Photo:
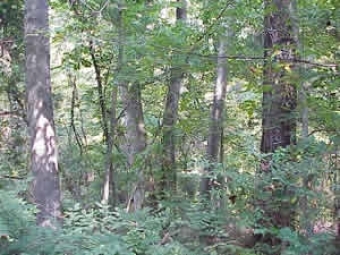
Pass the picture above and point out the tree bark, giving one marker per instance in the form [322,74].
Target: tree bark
[109,190]
[304,111]
[136,140]
[109,194]
[279,96]
[306,221]
[43,140]
[279,105]
[134,122]
[216,119]
[169,176]
[12,67]
[100,90]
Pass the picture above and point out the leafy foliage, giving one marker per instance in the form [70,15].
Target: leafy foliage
[302,180]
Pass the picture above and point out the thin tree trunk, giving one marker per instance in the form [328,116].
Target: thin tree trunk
[107,131]
[169,176]
[304,111]
[336,191]
[11,57]
[216,119]
[74,101]
[335,106]
[109,186]
[100,91]
[109,194]
[306,220]
[43,140]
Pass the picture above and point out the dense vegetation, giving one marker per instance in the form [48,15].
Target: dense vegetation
[172,127]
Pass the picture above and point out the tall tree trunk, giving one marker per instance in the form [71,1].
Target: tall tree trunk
[109,194]
[279,101]
[169,176]
[304,111]
[109,190]
[134,122]
[13,66]
[307,220]
[43,140]
[216,119]
[107,131]
[100,89]
[336,191]
[136,140]
[279,96]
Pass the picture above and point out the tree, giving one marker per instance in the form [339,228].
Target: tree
[168,179]
[279,99]
[109,128]
[131,95]
[216,118]
[126,64]
[136,140]
[279,93]
[43,138]
[12,66]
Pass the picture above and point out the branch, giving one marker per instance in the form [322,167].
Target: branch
[322,65]
[11,177]
[321,130]
[5,113]
[14,113]
[120,115]
[246,58]
[207,31]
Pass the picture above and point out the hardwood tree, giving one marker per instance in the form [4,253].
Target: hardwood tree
[279,99]
[216,119]
[170,115]
[43,138]
[131,96]
[108,121]
[279,96]
[11,68]
[119,55]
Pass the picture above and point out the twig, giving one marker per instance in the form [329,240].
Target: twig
[11,177]
[72,83]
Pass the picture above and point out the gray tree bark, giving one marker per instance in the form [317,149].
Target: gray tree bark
[43,140]
[136,140]
[11,57]
[169,176]
[109,191]
[130,94]
[216,118]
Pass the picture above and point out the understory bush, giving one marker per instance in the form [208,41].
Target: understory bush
[298,180]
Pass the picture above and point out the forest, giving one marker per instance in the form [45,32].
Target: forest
[169,127]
